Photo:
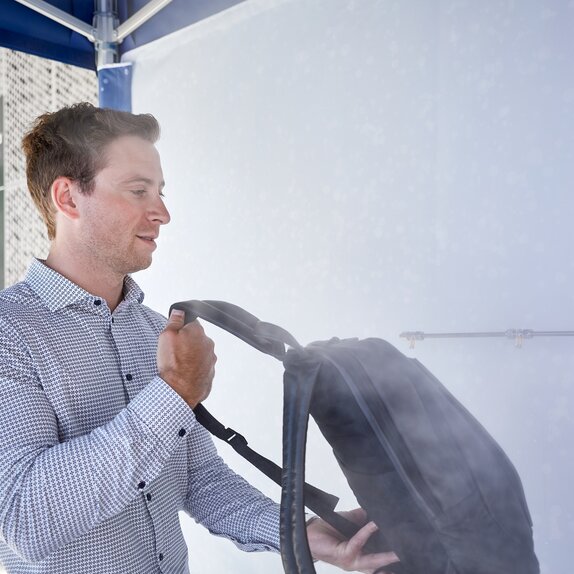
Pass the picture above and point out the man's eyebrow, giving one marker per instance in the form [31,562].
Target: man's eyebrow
[146,180]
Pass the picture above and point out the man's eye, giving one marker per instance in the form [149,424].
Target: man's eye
[138,191]
[161,194]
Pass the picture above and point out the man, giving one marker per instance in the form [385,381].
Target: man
[99,447]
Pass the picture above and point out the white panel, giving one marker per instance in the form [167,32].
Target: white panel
[363,168]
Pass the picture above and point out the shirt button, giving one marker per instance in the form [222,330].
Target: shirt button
[97,302]
[181,432]
[141,485]
[148,496]
[160,556]
[129,377]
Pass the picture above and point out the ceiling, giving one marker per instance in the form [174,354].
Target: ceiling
[25,30]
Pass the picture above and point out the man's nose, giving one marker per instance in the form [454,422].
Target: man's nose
[159,211]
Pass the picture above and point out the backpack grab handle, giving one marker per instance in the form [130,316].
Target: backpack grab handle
[267,338]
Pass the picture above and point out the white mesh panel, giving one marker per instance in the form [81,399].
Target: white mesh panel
[31,86]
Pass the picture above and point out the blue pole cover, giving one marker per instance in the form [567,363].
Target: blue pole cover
[115,86]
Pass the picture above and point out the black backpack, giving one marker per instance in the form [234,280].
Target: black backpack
[445,497]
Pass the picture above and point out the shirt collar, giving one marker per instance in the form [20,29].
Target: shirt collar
[58,292]
[132,291]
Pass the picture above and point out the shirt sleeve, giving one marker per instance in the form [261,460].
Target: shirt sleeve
[225,503]
[52,492]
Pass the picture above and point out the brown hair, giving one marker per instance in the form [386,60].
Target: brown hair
[70,143]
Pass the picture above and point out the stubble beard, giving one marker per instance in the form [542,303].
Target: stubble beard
[110,258]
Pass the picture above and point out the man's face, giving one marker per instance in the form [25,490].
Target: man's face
[120,219]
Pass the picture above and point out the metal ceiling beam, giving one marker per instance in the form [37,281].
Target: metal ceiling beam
[139,18]
[61,17]
[105,32]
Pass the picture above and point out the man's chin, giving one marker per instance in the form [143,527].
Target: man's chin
[139,265]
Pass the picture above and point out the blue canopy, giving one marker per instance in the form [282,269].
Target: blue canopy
[24,29]
[81,33]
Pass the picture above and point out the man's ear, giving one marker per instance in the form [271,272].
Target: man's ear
[63,193]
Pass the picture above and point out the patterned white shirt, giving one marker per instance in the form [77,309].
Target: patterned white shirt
[97,453]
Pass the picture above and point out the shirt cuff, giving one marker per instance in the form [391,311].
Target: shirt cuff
[164,412]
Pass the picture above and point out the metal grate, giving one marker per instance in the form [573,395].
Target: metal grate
[30,86]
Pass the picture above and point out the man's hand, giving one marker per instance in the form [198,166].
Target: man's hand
[327,545]
[185,358]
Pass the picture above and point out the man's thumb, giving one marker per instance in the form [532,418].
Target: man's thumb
[176,319]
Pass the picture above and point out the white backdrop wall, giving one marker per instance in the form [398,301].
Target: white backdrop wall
[361,168]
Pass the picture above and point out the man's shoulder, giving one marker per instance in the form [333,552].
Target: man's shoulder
[152,316]
[19,306]
[19,295]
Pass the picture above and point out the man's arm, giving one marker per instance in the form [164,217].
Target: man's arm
[226,504]
[51,492]
[216,497]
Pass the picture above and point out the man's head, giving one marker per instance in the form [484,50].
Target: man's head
[72,143]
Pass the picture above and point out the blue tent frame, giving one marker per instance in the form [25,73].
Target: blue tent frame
[25,29]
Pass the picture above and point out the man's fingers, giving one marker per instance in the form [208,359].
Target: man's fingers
[176,322]
[368,562]
[186,358]
[356,543]
[374,562]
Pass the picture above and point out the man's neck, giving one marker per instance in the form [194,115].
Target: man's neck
[88,275]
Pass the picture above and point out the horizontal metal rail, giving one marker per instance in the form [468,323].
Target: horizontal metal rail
[517,334]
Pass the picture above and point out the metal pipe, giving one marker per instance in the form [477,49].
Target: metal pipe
[105,23]
[140,17]
[509,334]
[61,17]
[517,334]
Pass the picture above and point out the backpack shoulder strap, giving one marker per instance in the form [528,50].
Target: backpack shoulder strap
[316,499]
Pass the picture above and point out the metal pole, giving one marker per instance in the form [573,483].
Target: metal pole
[517,334]
[105,24]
